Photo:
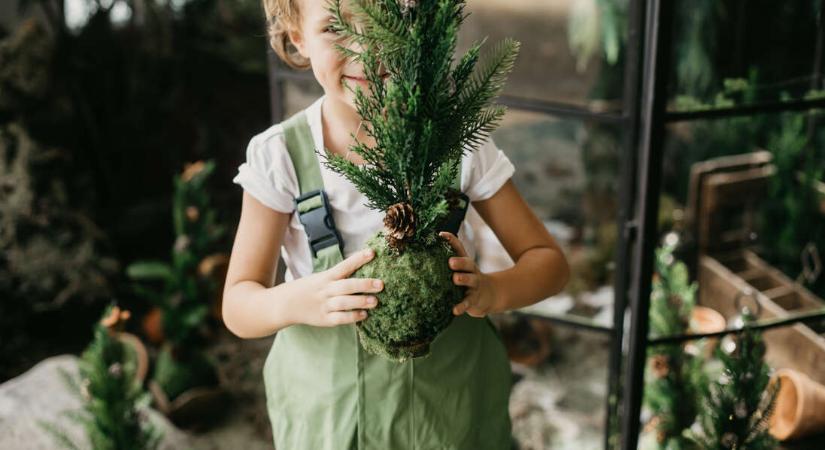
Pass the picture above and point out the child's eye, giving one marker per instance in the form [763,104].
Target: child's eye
[328,29]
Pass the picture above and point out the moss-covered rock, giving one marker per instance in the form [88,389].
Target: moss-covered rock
[416,302]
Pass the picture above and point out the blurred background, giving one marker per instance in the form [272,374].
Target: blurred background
[122,123]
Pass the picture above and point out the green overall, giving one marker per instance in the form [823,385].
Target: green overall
[324,392]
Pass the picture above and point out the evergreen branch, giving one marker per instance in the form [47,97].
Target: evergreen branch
[342,26]
[366,180]
[79,417]
[58,434]
[478,132]
[488,82]
[70,382]
[388,29]
[765,411]
[464,68]
[347,52]
[432,206]
[377,33]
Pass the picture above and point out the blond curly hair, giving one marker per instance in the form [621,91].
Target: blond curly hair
[281,17]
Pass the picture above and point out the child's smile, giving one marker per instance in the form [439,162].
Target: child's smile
[361,80]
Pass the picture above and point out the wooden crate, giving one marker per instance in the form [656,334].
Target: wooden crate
[723,277]
[722,198]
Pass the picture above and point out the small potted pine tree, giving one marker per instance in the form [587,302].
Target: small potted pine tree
[110,384]
[424,115]
[185,382]
[737,407]
[674,374]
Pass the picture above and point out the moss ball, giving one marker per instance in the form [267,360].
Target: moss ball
[417,300]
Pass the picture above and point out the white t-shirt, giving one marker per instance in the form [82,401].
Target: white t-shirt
[268,175]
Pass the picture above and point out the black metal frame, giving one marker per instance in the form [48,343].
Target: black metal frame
[643,116]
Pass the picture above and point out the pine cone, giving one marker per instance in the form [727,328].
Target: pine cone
[399,224]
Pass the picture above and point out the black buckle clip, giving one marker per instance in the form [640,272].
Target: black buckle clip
[318,222]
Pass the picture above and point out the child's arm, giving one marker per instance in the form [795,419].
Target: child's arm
[251,308]
[540,270]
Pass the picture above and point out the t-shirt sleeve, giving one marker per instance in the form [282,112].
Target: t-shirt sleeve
[267,173]
[484,171]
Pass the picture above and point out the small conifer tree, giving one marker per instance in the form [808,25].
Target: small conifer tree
[738,406]
[113,399]
[674,375]
[424,112]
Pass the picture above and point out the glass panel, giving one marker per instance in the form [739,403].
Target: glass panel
[723,53]
[564,47]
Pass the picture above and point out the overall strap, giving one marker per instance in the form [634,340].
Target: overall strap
[455,216]
[312,205]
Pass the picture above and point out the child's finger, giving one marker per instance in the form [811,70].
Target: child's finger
[355,286]
[462,263]
[465,279]
[344,317]
[346,267]
[455,243]
[349,302]
[461,308]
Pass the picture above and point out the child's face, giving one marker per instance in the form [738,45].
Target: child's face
[315,41]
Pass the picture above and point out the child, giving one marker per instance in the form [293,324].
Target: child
[323,390]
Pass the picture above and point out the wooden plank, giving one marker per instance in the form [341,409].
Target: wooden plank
[700,170]
[779,291]
[732,189]
[807,298]
[750,274]
[726,196]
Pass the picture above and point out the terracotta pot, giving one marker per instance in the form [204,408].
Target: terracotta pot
[215,267]
[707,320]
[142,363]
[152,325]
[528,342]
[194,408]
[800,406]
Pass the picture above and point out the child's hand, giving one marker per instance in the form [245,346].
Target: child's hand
[481,293]
[334,301]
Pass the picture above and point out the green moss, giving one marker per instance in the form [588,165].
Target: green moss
[416,302]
